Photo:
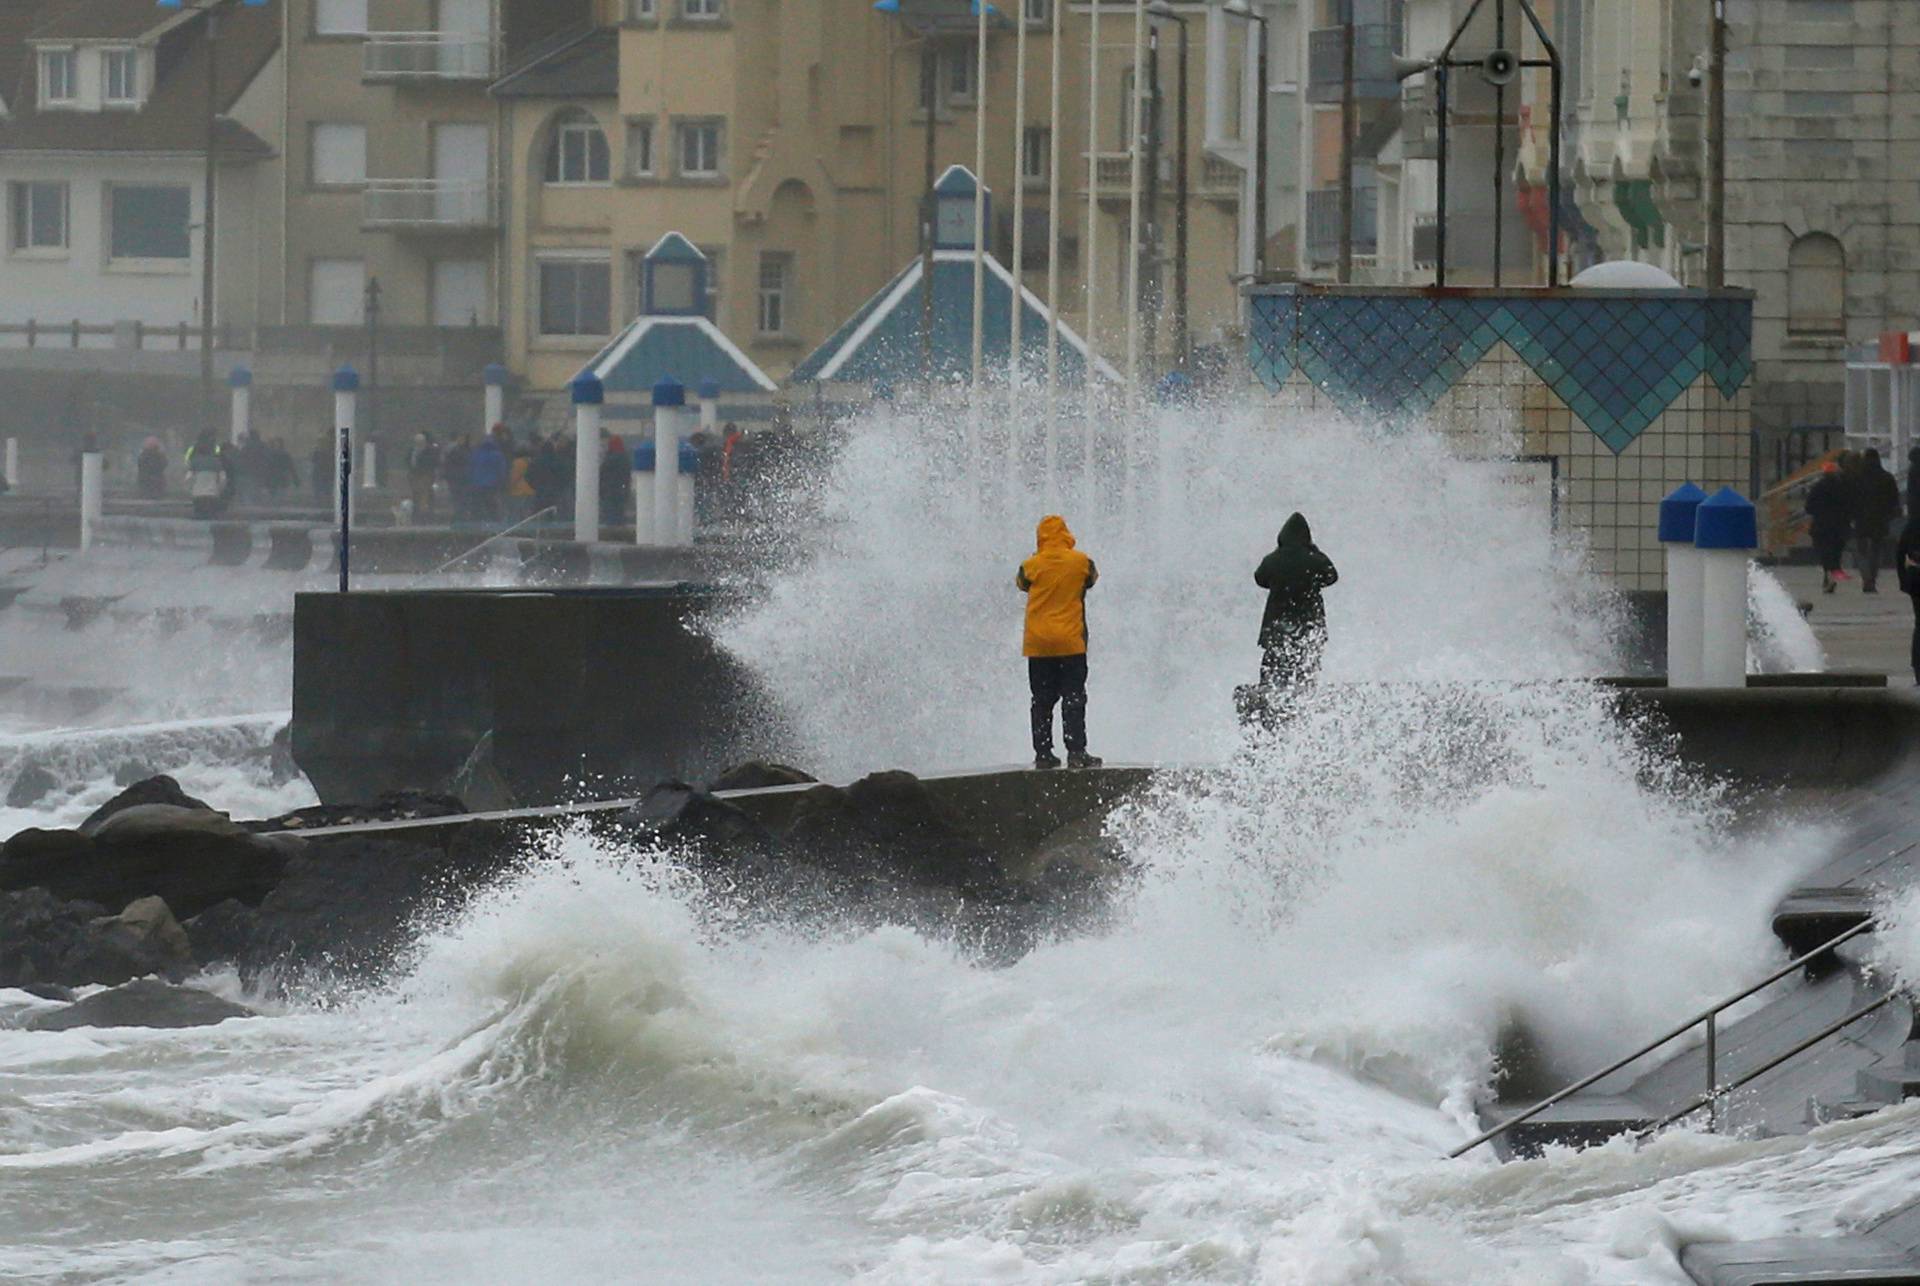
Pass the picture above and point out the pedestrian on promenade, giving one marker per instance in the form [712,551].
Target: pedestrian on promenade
[207,477]
[1293,629]
[1876,507]
[1906,562]
[150,470]
[487,476]
[423,469]
[1056,580]
[1830,506]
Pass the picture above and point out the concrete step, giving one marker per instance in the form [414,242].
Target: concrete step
[1584,1120]
[1800,1261]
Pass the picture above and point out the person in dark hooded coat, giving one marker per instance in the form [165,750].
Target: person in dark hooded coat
[1293,630]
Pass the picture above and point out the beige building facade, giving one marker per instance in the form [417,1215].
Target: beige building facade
[791,143]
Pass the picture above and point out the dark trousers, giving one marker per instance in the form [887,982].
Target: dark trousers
[1062,681]
[1916,636]
[1873,549]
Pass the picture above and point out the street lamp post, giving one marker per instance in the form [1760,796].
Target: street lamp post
[1717,131]
[1181,337]
[212,9]
[1240,9]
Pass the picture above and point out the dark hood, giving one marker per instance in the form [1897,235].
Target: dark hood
[1296,533]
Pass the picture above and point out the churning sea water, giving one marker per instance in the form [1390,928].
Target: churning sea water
[1248,1073]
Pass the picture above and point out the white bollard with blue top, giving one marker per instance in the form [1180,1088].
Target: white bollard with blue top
[672,423]
[589,397]
[240,380]
[709,406]
[1684,605]
[1726,532]
[495,412]
[93,491]
[643,494]
[346,415]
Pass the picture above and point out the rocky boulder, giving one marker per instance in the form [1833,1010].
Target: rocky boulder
[759,775]
[152,790]
[145,1003]
[30,785]
[394,806]
[888,830]
[44,940]
[710,829]
[192,858]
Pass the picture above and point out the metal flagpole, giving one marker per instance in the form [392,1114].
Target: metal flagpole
[981,8]
[1053,264]
[1133,244]
[1090,261]
[1016,268]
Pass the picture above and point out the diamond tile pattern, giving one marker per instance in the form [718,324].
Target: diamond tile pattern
[1618,363]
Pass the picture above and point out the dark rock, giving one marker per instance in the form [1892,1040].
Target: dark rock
[758,775]
[49,991]
[32,785]
[147,929]
[280,766]
[889,829]
[394,806]
[146,1003]
[71,944]
[192,858]
[682,817]
[154,790]
[225,933]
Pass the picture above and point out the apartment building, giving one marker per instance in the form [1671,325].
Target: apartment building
[103,138]
[792,143]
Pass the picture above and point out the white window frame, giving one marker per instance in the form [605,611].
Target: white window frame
[144,263]
[962,58]
[314,177]
[542,260]
[685,132]
[358,315]
[586,129]
[1036,150]
[772,316]
[702,10]
[641,146]
[69,59]
[20,238]
[346,32]
[127,59]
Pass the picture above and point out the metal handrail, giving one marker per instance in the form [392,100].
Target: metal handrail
[1715,1091]
[498,535]
[1713,1096]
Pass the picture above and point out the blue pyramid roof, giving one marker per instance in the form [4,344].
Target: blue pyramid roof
[689,350]
[881,342]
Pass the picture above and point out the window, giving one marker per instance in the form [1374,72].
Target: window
[1037,11]
[122,75]
[37,214]
[700,149]
[575,296]
[1816,286]
[59,76]
[641,11]
[149,221]
[775,270]
[1036,142]
[339,17]
[640,148]
[700,10]
[339,157]
[337,292]
[960,79]
[672,289]
[578,152]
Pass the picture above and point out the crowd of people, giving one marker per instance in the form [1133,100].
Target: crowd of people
[1857,501]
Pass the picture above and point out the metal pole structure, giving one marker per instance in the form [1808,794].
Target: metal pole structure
[930,77]
[1553,177]
[1182,340]
[343,454]
[1717,135]
[1090,261]
[1346,144]
[1133,201]
[372,433]
[1053,262]
[207,221]
[1018,267]
[1499,147]
[1440,223]
[1150,264]
[979,216]
[1262,75]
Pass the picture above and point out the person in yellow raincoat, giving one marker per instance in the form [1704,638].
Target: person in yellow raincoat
[1056,580]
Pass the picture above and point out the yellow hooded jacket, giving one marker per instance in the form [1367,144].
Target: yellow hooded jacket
[1056,580]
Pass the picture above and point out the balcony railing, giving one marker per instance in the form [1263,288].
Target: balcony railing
[1323,223]
[1374,45]
[431,205]
[427,56]
[1220,179]
[1115,173]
